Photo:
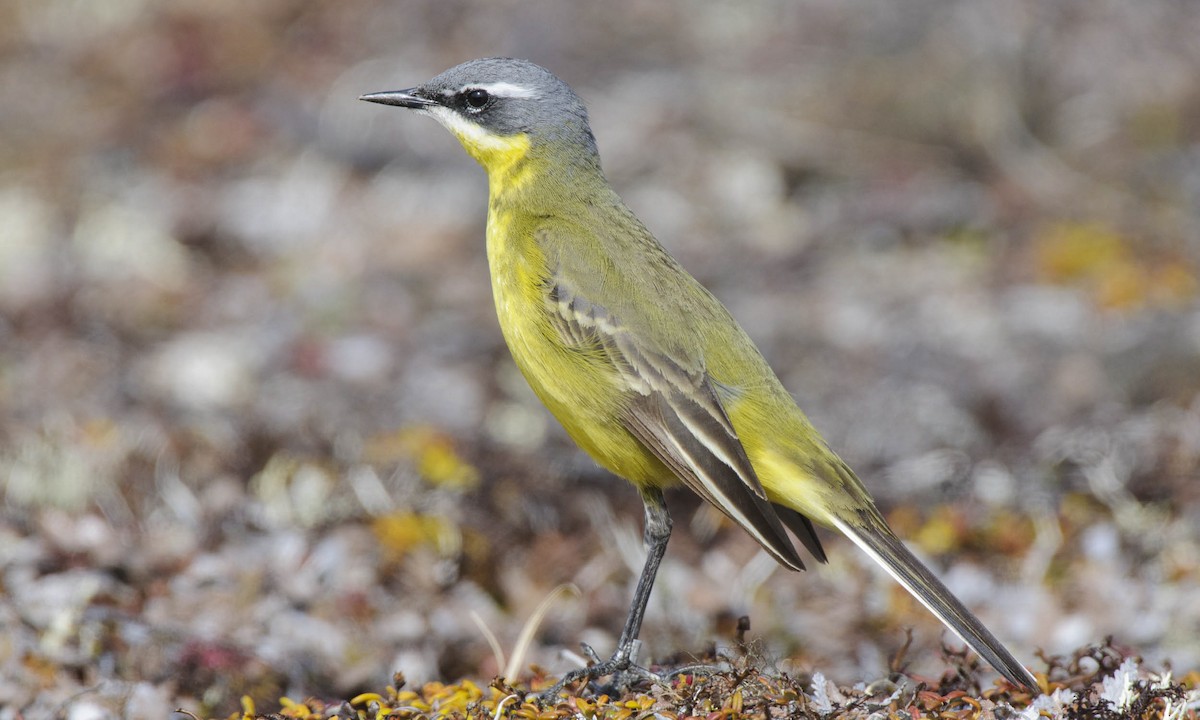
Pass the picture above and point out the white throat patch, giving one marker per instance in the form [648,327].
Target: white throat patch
[467,132]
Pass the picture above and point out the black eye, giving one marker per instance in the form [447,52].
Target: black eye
[477,98]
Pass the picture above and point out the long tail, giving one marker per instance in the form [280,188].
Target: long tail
[878,541]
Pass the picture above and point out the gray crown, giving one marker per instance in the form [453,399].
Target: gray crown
[523,98]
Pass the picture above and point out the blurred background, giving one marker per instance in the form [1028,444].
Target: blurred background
[259,433]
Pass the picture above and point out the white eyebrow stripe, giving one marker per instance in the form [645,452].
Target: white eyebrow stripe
[503,89]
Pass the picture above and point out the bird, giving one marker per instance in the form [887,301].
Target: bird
[646,370]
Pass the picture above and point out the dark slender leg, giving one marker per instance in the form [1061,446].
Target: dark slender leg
[655,537]
[622,665]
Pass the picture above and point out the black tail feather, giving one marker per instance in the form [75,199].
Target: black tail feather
[877,539]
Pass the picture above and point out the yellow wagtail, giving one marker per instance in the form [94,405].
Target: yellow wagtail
[645,369]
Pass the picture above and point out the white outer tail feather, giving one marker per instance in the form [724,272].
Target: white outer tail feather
[997,656]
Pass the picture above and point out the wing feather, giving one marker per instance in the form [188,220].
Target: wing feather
[674,410]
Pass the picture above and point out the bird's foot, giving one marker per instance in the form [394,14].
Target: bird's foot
[621,669]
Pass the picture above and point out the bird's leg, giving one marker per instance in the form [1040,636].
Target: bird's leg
[655,537]
[622,666]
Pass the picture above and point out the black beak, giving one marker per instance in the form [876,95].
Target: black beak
[399,98]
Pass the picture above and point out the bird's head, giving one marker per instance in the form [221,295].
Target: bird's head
[499,108]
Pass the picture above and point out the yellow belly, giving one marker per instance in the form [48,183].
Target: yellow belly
[580,391]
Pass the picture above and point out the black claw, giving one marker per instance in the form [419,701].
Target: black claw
[620,667]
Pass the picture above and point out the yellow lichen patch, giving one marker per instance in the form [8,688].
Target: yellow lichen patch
[943,532]
[1112,267]
[1073,251]
[430,450]
[292,709]
[401,533]
[247,707]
